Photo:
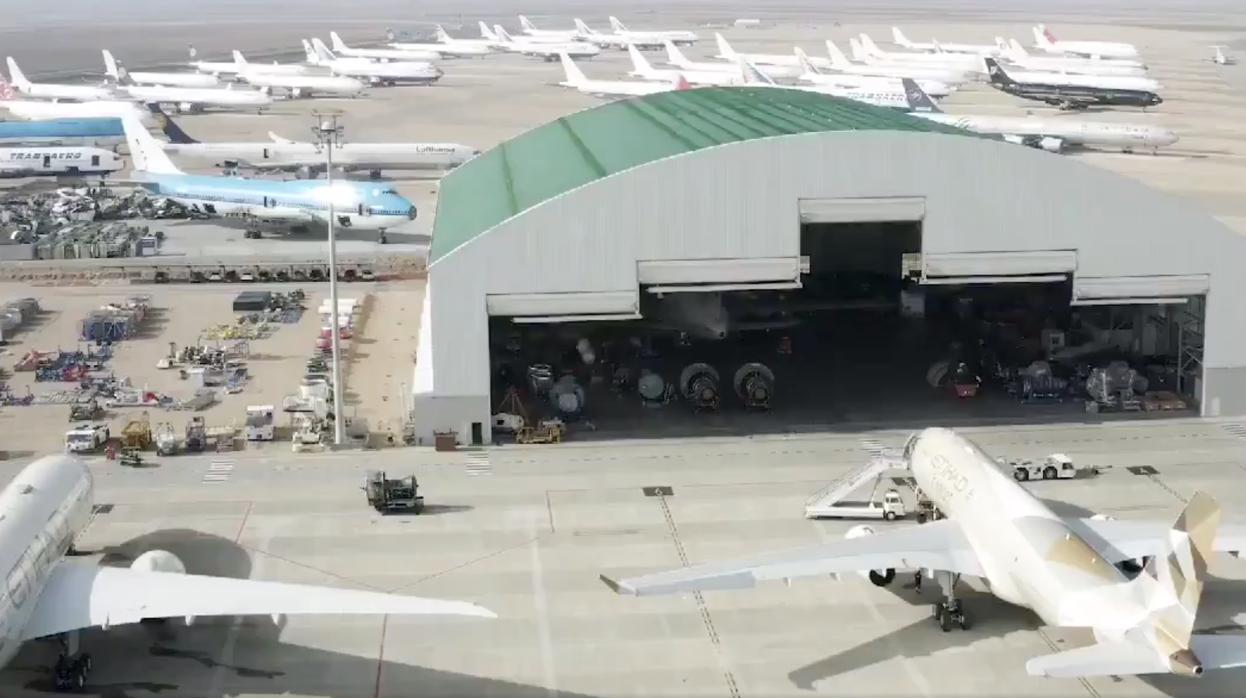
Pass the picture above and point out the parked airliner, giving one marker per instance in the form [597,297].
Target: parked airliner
[947,75]
[726,52]
[113,69]
[374,72]
[576,79]
[382,54]
[936,46]
[297,86]
[811,74]
[44,90]
[649,37]
[1045,40]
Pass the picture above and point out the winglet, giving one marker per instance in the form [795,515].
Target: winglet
[681,82]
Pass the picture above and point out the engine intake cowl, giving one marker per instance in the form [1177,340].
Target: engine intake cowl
[879,578]
[158,561]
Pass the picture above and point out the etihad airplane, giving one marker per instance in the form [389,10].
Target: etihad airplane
[726,52]
[643,69]
[44,90]
[382,54]
[308,159]
[938,47]
[1046,41]
[57,161]
[375,72]
[946,75]
[445,46]
[113,69]
[359,205]
[547,34]
[1052,135]
[597,38]
[869,51]
[1067,570]
[649,37]
[889,95]
[218,68]
[676,57]
[297,86]
[1069,91]
[811,74]
[1219,57]
[52,593]
[1015,53]
[548,50]
[577,80]
[92,131]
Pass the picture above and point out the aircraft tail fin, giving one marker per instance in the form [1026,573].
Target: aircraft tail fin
[500,32]
[583,28]
[681,83]
[239,59]
[724,48]
[526,25]
[1040,37]
[870,47]
[806,67]
[311,56]
[16,75]
[487,33]
[640,64]
[442,36]
[996,73]
[110,65]
[146,155]
[1177,576]
[1017,48]
[900,39]
[171,130]
[917,98]
[617,26]
[838,59]
[575,76]
[752,75]
[858,53]
[278,139]
[673,55]
[322,52]
[338,45]
[1051,38]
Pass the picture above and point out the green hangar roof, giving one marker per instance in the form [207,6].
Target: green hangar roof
[572,151]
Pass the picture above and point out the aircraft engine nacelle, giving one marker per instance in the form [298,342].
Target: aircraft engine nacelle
[185,107]
[305,172]
[879,578]
[158,561]
[1051,145]
[297,93]
[1017,140]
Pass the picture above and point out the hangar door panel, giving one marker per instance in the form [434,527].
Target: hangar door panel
[1148,289]
[863,210]
[541,304]
[997,264]
[719,271]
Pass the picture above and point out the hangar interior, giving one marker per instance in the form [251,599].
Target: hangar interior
[761,279]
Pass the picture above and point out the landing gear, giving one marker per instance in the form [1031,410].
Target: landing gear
[951,610]
[252,235]
[380,239]
[71,669]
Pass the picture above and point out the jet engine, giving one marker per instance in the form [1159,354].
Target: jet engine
[698,383]
[879,578]
[296,93]
[305,172]
[567,396]
[158,561]
[1051,145]
[185,107]
[754,384]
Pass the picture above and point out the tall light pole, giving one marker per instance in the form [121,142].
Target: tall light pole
[327,132]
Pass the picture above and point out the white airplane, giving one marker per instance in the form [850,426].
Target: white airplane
[620,41]
[1106,82]
[57,161]
[308,159]
[192,99]
[577,80]
[297,86]
[936,47]
[1016,54]
[444,37]
[1052,135]
[676,57]
[643,69]
[1219,57]
[678,37]
[218,68]
[374,72]
[530,29]
[841,64]
[45,90]
[52,594]
[1046,41]
[114,70]
[548,50]
[959,61]
[1064,569]
[726,52]
[889,95]
[811,74]
[35,109]
[381,54]
[444,47]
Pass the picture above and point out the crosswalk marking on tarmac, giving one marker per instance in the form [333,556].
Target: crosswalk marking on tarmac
[219,470]
[478,463]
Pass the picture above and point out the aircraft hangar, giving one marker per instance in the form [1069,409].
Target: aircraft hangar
[816,253]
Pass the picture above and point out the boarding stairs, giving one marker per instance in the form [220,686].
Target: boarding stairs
[825,499]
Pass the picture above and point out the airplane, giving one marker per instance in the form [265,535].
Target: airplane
[613,88]
[946,75]
[1052,135]
[937,47]
[196,99]
[39,109]
[95,131]
[678,37]
[308,159]
[297,86]
[726,52]
[492,37]
[383,54]
[113,69]
[1219,57]
[1068,91]
[676,57]
[43,90]
[1016,54]
[375,72]
[550,51]
[811,74]
[359,205]
[889,95]
[620,41]
[1046,41]
[54,593]
[217,68]
[1067,570]
[445,47]
[869,51]
[444,37]
[57,161]
[551,34]
[643,69]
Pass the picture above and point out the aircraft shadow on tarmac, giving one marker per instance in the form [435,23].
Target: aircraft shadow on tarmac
[193,654]
[991,617]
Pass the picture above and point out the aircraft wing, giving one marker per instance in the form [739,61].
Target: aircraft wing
[1133,539]
[83,595]
[938,545]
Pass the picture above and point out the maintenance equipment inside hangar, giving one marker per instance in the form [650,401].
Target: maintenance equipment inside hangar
[757,260]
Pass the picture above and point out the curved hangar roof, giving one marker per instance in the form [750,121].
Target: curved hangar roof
[593,144]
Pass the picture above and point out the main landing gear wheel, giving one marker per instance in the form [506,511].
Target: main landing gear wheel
[1020,475]
[947,614]
[70,673]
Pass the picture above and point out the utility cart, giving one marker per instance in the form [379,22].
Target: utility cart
[386,495]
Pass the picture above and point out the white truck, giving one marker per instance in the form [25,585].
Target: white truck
[85,438]
[890,508]
[1057,466]
[260,422]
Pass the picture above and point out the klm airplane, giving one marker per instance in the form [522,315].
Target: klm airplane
[360,205]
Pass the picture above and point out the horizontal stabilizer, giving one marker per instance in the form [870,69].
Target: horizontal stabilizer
[1104,659]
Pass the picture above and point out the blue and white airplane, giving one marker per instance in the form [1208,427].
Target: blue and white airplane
[89,131]
[360,205]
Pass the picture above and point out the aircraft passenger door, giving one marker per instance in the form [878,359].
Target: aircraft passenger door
[95,161]
[47,162]
[266,153]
